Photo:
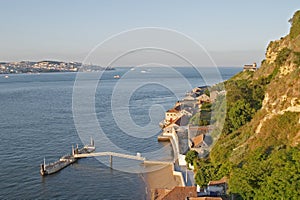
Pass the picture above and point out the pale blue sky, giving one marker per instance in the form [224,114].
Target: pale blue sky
[233,31]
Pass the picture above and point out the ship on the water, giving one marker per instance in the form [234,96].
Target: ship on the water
[51,168]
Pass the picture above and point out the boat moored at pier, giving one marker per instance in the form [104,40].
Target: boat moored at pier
[51,168]
[88,148]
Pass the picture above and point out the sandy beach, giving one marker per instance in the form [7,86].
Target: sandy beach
[161,179]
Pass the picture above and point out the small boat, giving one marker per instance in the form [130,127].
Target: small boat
[116,76]
[6,76]
[51,168]
[89,148]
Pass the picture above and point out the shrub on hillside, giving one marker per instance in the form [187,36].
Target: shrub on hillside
[282,56]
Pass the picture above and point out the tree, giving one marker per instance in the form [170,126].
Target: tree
[239,114]
[206,172]
[247,179]
[191,156]
[295,29]
[282,56]
[207,92]
[284,179]
[203,175]
[268,174]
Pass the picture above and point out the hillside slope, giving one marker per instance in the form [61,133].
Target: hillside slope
[259,148]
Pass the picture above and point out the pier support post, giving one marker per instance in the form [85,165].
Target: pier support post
[186,176]
[111,161]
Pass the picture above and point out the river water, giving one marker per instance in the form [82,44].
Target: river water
[36,121]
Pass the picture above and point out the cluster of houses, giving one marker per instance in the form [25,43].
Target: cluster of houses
[35,67]
[215,189]
[184,137]
[176,127]
[188,106]
[47,66]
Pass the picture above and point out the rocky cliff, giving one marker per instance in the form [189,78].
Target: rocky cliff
[259,148]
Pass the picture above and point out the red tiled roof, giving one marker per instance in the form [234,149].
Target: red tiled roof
[173,110]
[205,198]
[198,140]
[170,125]
[181,193]
[178,108]
[159,194]
[196,130]
[218,182]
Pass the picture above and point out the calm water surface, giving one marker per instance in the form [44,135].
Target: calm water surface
[36,121]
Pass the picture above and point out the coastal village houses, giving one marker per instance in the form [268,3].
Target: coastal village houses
[184,137]
[181,193]
[179,115]
[172,115]
[217,188]
[177,193]
[252,67]
[176,126]
[203,99]
[198,139]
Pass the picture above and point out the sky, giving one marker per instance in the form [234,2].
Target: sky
[233,32]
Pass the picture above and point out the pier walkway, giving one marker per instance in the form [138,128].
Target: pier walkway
[153,162]
[121,155]
[108,153]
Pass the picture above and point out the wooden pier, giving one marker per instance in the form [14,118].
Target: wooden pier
[88,151]
[110,154]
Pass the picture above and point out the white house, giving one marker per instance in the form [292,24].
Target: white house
[171,115]
[217,187]
[203,98]
[252,67]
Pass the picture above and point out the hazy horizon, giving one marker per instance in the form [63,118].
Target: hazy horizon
[232,32]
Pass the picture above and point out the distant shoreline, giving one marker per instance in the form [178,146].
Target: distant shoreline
[47,66]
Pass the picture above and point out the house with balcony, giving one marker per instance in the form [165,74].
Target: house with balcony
[251,68]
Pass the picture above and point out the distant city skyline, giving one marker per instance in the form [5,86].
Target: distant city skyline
[233,32]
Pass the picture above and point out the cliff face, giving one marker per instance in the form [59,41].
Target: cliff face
[270,133]
[283,93]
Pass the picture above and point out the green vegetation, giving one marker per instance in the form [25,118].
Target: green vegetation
[206,91]
[259,147]
[268,175]
[297,58]
[244,98]
[197,120]
[206,171]
[273,45]
[282,56]
[203,117]
[191,156]
[239,114]
[295,28]
[270,170]
[282,129]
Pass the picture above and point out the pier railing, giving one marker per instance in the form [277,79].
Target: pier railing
[108,153]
